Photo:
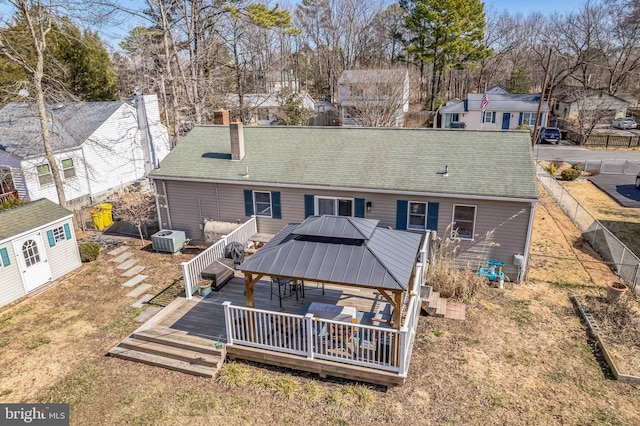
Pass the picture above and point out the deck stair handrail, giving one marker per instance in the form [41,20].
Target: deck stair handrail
[191,270]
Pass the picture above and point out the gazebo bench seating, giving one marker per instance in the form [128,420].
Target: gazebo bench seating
[220,272]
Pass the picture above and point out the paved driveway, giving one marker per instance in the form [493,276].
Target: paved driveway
[619,187]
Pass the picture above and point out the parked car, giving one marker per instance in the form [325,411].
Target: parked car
[625,123]
[549,135]
[638,181]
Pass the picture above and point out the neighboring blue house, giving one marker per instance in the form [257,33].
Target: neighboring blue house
[503,111]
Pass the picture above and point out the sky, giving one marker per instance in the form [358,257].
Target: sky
[546,7]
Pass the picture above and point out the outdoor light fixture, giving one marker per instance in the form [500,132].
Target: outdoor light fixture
[368,206]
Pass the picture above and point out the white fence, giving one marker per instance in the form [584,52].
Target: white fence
[611,249]
[191,270]
[368,346]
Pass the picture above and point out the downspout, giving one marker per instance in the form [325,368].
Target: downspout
[166,199]
[527,245]
[155,191]
[86,172]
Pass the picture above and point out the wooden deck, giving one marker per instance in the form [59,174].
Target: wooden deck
[204,317]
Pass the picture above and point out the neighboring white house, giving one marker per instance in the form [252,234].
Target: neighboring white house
[570,101]
[37,245]
[502,111]
[373,98]
[263,108]
[99,147]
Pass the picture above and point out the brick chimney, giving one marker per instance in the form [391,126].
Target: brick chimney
[237,140]
[221,117]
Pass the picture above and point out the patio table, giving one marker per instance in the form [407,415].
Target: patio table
[332,312]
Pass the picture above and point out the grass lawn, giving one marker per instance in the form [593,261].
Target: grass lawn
[521,357]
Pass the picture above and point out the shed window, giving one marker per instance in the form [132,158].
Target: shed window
[44,175]
[464,219]
[262,201]
[58,234]
[334,206]
[68,168]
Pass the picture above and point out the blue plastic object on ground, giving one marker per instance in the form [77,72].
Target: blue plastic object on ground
[493,272]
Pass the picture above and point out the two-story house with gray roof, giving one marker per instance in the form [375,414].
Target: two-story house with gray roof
[502,111]
[99,147]
[477,187]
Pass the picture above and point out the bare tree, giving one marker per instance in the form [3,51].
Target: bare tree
[592,109]
[135,207]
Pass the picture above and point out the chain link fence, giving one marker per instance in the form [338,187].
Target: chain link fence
[627,264]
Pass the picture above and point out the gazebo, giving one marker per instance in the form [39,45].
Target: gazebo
[345,251]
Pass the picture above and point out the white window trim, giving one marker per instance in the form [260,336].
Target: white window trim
[59,234]
[453,221]
[426,213]
[484,116]
[335,213]
[62,169]
[38,175]
[527,119]
[255,204]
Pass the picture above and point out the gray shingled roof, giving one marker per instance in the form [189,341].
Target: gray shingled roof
[481,163]
[26,217]
[497,102]
[71,124]
[385,259]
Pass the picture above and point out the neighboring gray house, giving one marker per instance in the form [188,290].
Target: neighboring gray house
[569,101]
[37,246]
[263,108]
[373,98]
[99,147]
[503,111]
[479,186]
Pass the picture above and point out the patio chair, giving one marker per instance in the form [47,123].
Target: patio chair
[282,288]
[296,286]
[342,334]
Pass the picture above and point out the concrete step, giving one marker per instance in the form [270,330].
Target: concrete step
[127,264]
[139,290]
[180,354]
[133,271]
[118,250]
[122,257]
[135,280]
[162,361]
[140,302]
[179,339]
[148,313]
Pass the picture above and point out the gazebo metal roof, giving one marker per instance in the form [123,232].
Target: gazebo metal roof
[342,250]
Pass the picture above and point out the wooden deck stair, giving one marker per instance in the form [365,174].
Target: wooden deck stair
[172,349]
[432,303]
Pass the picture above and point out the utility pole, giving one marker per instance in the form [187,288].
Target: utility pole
[544,90]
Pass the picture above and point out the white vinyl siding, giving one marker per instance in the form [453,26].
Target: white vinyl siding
[64,257]
[11,287]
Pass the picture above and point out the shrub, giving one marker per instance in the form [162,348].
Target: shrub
[570,174]
[577,166]
[552,169]
[11,202]
[89,251]
[233,375]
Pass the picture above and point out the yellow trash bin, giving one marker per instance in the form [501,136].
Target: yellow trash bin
[102,216]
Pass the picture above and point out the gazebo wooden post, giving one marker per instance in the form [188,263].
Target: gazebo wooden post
[397,320]
[249,284]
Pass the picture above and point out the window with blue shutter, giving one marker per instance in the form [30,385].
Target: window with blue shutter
[67,231]
[520,118]
[248,202]
[52,241]
[432,216]
[401,214]
[359,207]
[308,205]
[276,209]
[4,257]
[493,117]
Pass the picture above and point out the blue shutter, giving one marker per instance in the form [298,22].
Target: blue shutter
[402,210]
[67,231]
[248,202]
[493,117]
[432,216]
[276,210]
[520,118]
[5,257]
[308,205]
[52,241]
[359,207]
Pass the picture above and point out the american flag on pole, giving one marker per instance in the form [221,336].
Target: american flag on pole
[485,101]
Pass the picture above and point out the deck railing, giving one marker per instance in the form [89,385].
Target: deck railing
[369,346]
[191,270]
[11,194]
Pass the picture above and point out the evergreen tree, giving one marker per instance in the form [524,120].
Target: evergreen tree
[519,82]
[446,33]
